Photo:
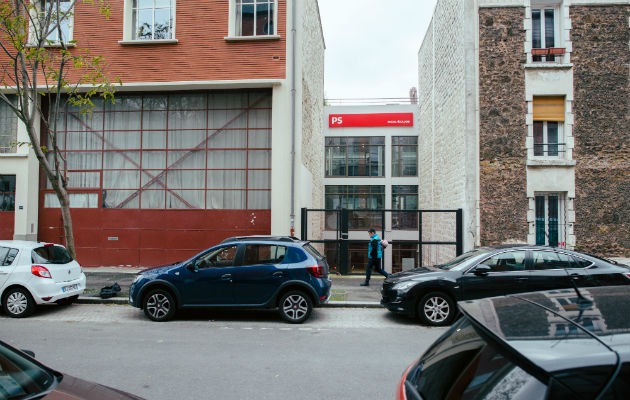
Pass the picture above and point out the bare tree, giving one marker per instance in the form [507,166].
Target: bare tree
[40,67]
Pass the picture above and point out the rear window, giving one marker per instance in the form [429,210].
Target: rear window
[313,251]
[50,255]
[461,365]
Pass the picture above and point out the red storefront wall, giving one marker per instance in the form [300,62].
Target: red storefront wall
[7,219]
[114,237]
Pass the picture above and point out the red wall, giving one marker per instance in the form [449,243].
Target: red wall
[149,237]
[7,219]
[201,54]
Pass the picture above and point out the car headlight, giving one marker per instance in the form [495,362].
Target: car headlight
[404,286]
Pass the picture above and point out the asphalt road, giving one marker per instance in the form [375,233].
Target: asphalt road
[338,354]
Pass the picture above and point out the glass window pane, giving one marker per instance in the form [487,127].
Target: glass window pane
[121,199]
[226,199]
[259,179]
[538,139]
[227,159]
[549,28]
[144,24]
[508,261]
[162,24]
[152,199]
[226,179]
[552,138]
[536,29]
[185,199]
[258,200]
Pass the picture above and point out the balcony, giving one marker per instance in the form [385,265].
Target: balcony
[550,54]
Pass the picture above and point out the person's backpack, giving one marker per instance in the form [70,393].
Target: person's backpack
[384,243]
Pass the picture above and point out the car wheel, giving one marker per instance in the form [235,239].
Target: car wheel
[159,305]
[67,301]
[18,303]
[436,309]
[295,307]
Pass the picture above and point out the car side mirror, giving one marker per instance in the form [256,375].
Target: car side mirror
[192,267]
[29,352]
[482,270]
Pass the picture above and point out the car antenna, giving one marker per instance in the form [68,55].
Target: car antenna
[582,302]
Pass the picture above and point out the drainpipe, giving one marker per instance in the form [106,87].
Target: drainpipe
[293,35]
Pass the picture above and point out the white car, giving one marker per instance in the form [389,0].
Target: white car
[34,273]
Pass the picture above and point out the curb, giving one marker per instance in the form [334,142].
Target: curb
[332,304]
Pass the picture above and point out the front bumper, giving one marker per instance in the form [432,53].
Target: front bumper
[397,302]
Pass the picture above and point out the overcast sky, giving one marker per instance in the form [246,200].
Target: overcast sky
[372,46]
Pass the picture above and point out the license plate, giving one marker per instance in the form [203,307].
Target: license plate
[69,288]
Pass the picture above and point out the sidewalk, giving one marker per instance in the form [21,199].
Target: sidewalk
[345,292]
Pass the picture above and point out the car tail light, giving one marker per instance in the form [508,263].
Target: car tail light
[40,271]
[400,393]
[316,270]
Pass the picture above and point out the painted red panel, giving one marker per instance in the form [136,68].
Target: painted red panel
[370,120]
[7,220]
[149,237]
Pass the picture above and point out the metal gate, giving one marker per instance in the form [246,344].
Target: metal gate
[423,236]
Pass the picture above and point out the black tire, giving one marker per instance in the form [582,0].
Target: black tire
[295,306]
[18,303]
[159,305]
[436,309]
[67,301]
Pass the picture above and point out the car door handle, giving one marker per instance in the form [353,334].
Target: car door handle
[226,277]
[277,274]
[575,277]
[522,279]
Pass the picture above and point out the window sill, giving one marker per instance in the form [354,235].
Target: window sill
[550,163]
[150,42]
[548,65]
[13,155]
[52,45]
[251,38]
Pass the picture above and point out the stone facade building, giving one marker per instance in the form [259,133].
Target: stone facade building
[525,121]
[216,131]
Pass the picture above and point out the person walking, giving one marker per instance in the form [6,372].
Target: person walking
[375,256]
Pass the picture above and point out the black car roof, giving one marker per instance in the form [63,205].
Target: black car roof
[259,238]
[558,329]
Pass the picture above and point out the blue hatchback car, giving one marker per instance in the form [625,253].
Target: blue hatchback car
[241,272]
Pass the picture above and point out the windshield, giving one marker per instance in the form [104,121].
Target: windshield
[50,254]
[463,261]
[20,378]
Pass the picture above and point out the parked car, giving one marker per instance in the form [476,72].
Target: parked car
[23,377]
[241,272]
[558,344]
[431,293]
[34,273]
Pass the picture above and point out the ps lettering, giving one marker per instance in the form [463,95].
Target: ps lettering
[337,120]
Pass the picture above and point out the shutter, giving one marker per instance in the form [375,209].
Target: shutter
[549,108]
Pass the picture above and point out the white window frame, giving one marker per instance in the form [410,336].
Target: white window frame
[561,142]
[129,30]
[233,29]
[53,38]
[556,28]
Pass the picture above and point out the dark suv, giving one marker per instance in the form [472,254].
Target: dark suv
[242,272]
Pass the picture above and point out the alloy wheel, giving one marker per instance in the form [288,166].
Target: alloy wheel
[295,306]
[436,309]
[158,305]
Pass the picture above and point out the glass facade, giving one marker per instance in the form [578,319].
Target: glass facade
[355,156]
[361,199]
[405,197]
[202,150]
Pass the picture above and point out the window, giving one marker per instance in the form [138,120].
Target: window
[152,19]
[8,127]
[404,156]
[255,17]
[544,36]
[7,192]
[198,150]
[362,199]
[7,255]
[549,209]
[222,257]
[405,197]
[548,116]
[508,261]
[551,260]
[404,256]
[355,156]
[63,13]
[256,254]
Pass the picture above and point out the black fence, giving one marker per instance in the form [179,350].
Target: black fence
[415,231]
